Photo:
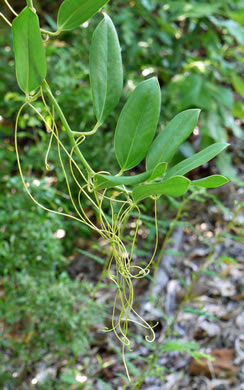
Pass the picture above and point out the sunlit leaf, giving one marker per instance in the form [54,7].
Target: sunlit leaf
[238,110]
[137,124]
[238,84]
[196,160]
[238,16]
[106,71]
[73,13]
[174,134]
[213,181]
[29,51]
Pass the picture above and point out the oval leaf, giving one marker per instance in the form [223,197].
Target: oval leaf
[174,134]
[176,186]
[106,71]
[197,159]
[72,13]
[137,124]
[29,51]
[159,170]
[105,181]
[213,181]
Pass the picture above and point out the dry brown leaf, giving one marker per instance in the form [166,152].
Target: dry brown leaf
[222,366]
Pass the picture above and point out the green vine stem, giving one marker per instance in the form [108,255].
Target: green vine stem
[30,4]
[52,34]
[48,91]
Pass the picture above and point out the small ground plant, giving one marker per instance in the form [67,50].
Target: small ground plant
[42,310]
[115,198]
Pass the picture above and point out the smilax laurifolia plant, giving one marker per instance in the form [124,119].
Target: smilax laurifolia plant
[134,141]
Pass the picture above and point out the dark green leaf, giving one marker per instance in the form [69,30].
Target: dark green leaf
[238,84]
[196,160]
[137,124]
[213,126]
[175,186]
[72,13]
[186,9]
[174,134]
[230,123]
[29,51]
[105,181]
[193,88]
[106,71]
[223,95]
[211,181]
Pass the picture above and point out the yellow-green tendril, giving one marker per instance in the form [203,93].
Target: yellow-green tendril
[5,19]
[119,267]
[10,8]
[21,172]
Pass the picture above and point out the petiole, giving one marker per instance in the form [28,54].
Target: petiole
[87,133]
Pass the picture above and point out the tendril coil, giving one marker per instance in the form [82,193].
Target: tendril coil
[118,266]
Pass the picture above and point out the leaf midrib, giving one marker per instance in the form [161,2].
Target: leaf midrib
[185,170]
[71,16]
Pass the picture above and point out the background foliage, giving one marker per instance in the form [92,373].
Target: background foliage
[196,49]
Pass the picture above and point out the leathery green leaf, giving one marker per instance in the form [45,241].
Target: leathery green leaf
[197,159]
[175,186]
[175,133]
[29,51]
[106,71]
[102,181]
[137,124]
[72,13]
[213,181]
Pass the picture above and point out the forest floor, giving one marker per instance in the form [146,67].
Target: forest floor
[214,317]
